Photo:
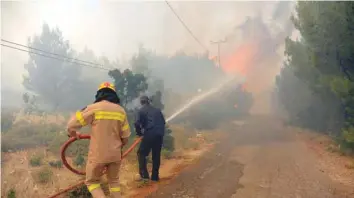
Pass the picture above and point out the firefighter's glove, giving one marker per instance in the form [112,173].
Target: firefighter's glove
[77,135]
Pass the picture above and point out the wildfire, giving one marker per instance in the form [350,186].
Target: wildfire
[242,60]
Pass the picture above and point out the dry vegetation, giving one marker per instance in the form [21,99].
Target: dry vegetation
[31,165]
[335,162]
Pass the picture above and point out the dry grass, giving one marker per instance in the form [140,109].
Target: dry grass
[41,181]
[38,119]
[17,174]
[350,165]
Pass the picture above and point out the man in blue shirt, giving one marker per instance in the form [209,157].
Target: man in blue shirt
[150,124]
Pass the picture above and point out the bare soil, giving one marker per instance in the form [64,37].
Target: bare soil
[261,157]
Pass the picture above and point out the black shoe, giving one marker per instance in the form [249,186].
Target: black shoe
[155,179]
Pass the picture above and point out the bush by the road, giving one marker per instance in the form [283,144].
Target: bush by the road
[82,191]
[56,164]
[42,175]
[7,120]
[23,135]
[166,153]
[36,160]
[11,193]
[79,160]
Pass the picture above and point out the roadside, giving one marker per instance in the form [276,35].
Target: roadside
[331,160]
[261,158]
[28,176]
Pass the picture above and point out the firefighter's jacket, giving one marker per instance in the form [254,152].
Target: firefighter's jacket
[109,125]
[149,121]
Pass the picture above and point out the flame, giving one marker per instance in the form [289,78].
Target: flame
[242,60]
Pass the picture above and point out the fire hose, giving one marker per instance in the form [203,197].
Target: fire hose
[68,166]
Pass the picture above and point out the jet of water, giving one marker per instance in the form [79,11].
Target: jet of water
[199,98]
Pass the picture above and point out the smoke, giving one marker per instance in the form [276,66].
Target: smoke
[115,30]
[256,55]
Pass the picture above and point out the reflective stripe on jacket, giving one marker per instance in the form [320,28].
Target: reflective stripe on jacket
[109,125]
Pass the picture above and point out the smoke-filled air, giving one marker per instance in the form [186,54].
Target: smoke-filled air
[245,88]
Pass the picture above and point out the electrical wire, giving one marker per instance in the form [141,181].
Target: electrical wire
[56,58]
[185,26]
[51,53]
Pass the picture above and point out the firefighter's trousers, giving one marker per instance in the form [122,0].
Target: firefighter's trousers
[94,172]
[150,143]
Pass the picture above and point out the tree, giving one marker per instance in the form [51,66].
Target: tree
[140,62]
[157,100]
[31,103]
[318,72]
[128,85]
[50,79]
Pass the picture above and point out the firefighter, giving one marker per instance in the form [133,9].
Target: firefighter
[150,124]
[109,133]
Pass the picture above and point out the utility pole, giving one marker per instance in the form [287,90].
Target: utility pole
[218,43]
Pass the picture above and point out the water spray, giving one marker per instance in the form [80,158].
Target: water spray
[199,98]
[192,102]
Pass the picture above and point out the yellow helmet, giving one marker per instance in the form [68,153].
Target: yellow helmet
[106,85]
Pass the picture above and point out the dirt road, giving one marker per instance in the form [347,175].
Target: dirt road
[257,159]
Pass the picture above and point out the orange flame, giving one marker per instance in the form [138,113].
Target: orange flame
[241,60]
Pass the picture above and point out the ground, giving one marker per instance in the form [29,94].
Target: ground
[251,158]
[17,174]
[260,157]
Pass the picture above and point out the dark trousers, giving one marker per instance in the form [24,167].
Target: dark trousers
[154,144]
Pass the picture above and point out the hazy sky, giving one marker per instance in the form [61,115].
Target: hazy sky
[115,28]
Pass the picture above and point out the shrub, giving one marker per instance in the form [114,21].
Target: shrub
[166,153]
[43,175]
[36,160]
[82,191]
[25,135]
[168,140]
[7,120]
[11,193]
[56,164]
[79,160]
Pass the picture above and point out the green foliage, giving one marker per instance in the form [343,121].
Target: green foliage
[168,140]
[128,84]
[31,104]
[81,192]
[49,79]
[24,135]
[43,175]
[36,160]
[166,153]
[316,85]
[56,164]
[79,160]
[11,193]
[7,120]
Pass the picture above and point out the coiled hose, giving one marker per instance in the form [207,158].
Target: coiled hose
[68,166]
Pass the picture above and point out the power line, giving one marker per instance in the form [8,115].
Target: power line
[43,51]
[56,58]
[190,32]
